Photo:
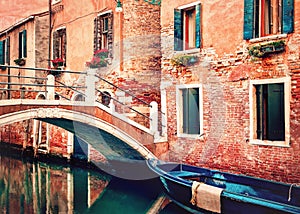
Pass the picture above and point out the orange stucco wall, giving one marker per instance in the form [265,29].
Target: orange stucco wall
[78,19]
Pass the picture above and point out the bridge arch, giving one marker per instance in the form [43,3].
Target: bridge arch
[60,114]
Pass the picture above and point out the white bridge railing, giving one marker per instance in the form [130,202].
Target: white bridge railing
[53,92]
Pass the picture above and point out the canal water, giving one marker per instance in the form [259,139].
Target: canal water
[28,186]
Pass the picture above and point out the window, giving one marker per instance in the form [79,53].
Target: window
[60,44]
[22,44]
[5,51]
[270,107]
[267,17]
[103,25]
[2,53]
[187,27]
[189,110]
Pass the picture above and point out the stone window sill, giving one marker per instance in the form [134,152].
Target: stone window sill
[269,143]
[190,51]
[192,136]
[268,38]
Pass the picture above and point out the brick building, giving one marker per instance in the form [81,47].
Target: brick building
[225,75]
[230,75]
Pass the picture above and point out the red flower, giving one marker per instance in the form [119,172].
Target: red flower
[57,60]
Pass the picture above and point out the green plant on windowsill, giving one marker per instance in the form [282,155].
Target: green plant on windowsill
[267,48]
[184,60]
[20,61]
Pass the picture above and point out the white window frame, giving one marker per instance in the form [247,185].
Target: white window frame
[185,8]
[22,51]
[6,54]
[252,105]
[179,108]
[277,19]
[55,1]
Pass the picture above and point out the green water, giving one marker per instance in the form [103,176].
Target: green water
[28,186]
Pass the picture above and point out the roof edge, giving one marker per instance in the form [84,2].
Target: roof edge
[23,21]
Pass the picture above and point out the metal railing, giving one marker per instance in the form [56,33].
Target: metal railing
[43,82]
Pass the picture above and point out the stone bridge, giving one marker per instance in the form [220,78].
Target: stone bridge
[112,134]
[106,127]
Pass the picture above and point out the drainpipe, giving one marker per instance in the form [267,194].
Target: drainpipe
[50,31]
[8,69]
[121,40]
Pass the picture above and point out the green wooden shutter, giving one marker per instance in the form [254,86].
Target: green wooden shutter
[275,114]
[8,50]
[198,26]
[55,53]
[1,53]
[64,50]
[24,35]
[193,108]
[20,45]
[248,18]
[110,35]
[288,16]
[178,31]
[95,33]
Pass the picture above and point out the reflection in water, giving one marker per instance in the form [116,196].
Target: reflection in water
[36,187]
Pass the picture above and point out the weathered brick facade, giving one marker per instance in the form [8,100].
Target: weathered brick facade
[225,70]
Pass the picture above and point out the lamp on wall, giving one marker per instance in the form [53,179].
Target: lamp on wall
[119,6]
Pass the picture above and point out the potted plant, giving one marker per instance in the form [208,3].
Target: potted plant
[100,59]
[20,61]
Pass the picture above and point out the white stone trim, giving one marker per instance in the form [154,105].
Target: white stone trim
[59,28]
[252,103]
[179,110]
[73,103]
[189,5]
[55,1]
[268,38]
[104,13]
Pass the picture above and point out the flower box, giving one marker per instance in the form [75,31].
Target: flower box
[268,48]
[58,62]
[100,59]
[20,61]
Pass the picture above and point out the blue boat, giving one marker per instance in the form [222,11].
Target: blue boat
[201,190]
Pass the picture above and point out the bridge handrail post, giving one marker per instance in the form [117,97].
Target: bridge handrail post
[154,119]
[91,85]
[50,90]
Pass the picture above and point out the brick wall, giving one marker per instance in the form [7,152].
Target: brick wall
[41,42]
[225,70]
[141,50]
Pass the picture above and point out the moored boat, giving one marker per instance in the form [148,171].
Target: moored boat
[201,190]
